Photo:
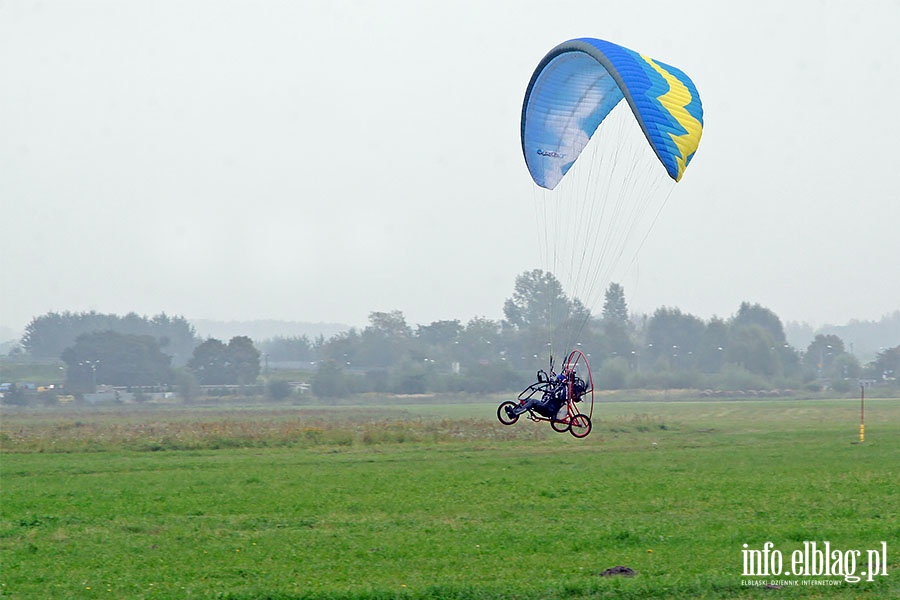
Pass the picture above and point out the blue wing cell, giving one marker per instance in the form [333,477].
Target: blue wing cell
[576,86]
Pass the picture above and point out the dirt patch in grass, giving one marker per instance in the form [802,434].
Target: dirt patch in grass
[618,571]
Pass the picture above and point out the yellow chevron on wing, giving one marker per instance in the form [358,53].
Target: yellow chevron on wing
[674,101]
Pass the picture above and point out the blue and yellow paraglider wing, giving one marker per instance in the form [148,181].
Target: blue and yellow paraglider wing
[580,81]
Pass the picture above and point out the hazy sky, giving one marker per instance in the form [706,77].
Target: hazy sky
[316,161]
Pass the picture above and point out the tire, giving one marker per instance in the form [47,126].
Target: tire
[580,425]
[560,426]
[501,413]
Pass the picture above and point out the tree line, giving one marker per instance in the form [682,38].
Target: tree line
[668,349]
[46,337]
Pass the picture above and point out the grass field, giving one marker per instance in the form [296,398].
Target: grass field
[438,500]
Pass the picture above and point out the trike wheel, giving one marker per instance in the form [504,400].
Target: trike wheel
[503,416]
[561,426]
[580,425]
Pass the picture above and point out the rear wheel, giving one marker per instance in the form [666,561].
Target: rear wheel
[580,425]
[505,417]
[561,426]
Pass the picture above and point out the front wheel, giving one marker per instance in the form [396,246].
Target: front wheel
[503,416]
[580,425]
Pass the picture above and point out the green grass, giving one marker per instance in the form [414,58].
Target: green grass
[439,501]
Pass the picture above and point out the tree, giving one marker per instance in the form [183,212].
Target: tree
[209,363]
[386,339]
[186,384]
[673,338]
[753,348]
[436,342]
[755,314]
[614,307]
[886,366]
[846,366]
[48,335]
[391,324]
[479,343]
[711,352]
[244,359]
[384,342]
[539,316]
[439,333]
[289,349]
[116,359]
[820,355]
[538,301]
[329,380]
[343,348]
[176,336]
[617,340]
[214,363]
[279,389]
[613,374]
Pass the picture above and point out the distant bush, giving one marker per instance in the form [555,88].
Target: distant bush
[734,377]
[278,390]
[15,396]
[842,386]
[613,374]
[330,381]
[667,380]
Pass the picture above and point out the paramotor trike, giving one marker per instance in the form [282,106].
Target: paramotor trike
[556,398]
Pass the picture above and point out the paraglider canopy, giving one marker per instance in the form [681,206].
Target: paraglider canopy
[576,86]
